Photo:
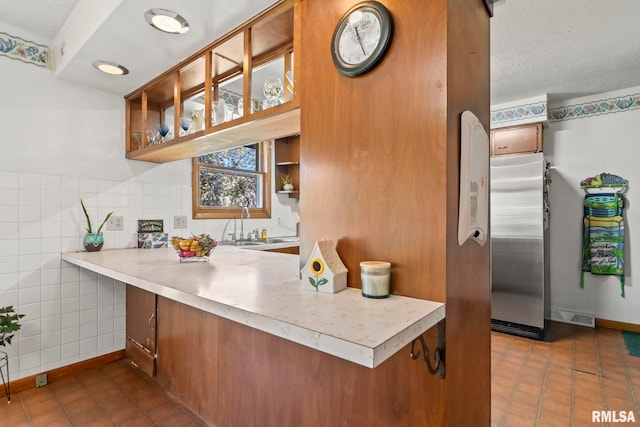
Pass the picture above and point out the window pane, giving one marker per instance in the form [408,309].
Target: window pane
[227,189]
[245,158]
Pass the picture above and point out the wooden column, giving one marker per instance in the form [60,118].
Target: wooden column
[380,156]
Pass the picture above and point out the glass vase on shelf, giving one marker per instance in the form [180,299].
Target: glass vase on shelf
[272,92]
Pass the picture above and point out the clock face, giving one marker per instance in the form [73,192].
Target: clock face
[361,38]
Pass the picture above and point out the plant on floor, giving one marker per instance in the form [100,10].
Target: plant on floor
[9,324]
[86,215]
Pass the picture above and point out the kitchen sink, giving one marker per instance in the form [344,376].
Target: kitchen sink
[283,239]
[269,241]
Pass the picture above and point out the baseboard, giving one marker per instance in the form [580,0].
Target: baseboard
[30,382]
[622,326]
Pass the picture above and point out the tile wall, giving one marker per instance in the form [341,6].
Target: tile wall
[72,314]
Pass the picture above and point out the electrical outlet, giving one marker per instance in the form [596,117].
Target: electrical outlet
[115,223]
[41,380]
[180,221]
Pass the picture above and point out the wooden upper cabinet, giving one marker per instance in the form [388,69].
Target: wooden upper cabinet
[236,91]
[517,139]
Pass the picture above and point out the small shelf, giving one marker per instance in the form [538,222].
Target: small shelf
[287,163]
[281,121]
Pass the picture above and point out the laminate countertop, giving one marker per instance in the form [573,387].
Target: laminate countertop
[262,290]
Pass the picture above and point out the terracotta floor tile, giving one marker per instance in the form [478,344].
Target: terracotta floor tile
[496,413]
[87,417]
[123,412]
[515,420]
[528,410]
[552,407]
[139,421]
[553,420]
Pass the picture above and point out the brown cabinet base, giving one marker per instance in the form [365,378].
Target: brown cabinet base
[144,360]
[233,375]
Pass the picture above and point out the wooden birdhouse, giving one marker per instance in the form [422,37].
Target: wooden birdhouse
[324,272]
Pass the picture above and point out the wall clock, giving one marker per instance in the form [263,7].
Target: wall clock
[361,38]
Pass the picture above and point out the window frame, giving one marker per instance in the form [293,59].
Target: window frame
[198,212]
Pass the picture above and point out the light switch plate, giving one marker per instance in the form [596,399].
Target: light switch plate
[180,221]
[115,223]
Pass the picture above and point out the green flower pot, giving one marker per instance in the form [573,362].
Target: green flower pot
[93,242]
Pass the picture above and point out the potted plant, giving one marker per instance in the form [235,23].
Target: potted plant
[9,324]
[93,241]
[287,184]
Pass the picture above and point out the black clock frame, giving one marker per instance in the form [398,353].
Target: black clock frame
[386,32]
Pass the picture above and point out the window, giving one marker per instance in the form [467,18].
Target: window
[224,181]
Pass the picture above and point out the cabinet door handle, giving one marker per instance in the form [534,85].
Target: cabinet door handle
[151,319]
[502,147]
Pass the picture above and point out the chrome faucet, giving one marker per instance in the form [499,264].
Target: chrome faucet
[224,230]
[242,221]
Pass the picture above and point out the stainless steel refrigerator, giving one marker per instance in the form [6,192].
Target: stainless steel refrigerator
[519,245]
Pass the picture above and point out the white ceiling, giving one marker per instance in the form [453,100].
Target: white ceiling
[563,48]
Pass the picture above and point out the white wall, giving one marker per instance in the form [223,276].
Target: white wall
[61,142]
[578,149]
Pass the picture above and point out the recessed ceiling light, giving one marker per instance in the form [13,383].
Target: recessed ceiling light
[167,21]
[110,68]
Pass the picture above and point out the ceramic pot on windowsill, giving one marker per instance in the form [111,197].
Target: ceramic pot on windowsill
[93,242]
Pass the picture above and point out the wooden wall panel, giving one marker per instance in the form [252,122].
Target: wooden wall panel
[373,148]
[468,395]
[380,166]
[188,356]
[272,382]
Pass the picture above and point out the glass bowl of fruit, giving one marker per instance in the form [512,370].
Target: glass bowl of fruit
[194,248]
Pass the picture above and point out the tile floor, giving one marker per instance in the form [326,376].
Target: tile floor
[113,395]
[533,383]
[559,382]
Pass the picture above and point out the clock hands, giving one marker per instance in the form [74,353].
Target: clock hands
[359,40]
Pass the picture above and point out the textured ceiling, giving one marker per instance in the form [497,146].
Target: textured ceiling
[563,48]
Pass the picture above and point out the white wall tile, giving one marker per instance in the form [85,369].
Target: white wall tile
[29,181]
[9,180]
[50,182]
[30,311]
[9,214]
[29,295]
[29,263]
[89,346]
[29,198]
[9,230]
[71,335]
[8,197]
[70,305]
[8,282]
[29,246]
[29,361]
[70,350]
[51,308]
[30,230]
[88,301]
[51,323]
[51,357]
[50,277]
[50,293]
[88,316]
[30,344]
[9,264]
[51,339]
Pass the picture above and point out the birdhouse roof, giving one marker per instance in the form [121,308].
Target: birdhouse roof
[327,250]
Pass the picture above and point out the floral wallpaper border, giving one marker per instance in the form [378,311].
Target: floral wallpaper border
[520,112]
[595,108]
[24,50]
